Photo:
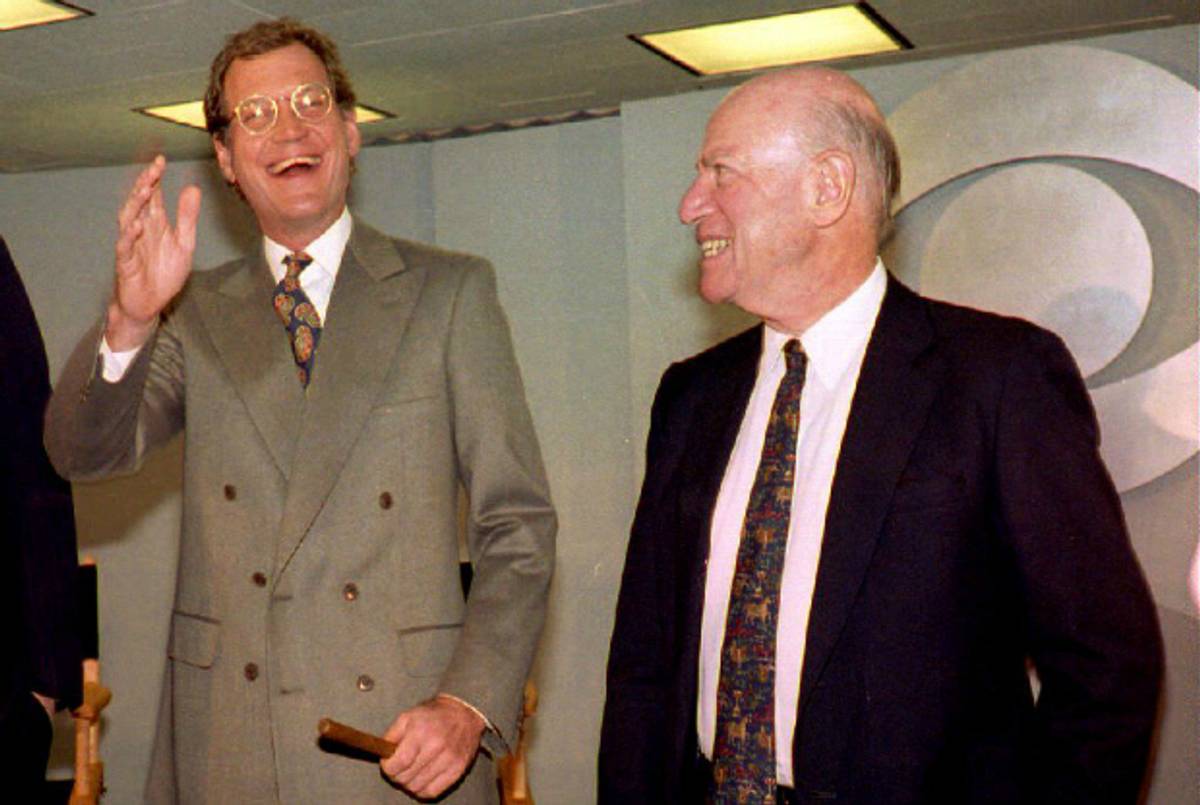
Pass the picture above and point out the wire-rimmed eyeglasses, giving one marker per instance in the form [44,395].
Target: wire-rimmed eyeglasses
[258,113]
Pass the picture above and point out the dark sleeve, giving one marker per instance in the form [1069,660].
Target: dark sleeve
[38,518]
[633,733]
[1094,632]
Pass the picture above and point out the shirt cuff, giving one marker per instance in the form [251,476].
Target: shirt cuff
[115,364]
[486,721]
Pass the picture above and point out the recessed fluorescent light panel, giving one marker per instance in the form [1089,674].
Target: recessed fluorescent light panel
[821,34]
[191,113]
[188,113]
[24,13]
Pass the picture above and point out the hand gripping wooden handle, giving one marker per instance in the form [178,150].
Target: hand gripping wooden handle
[332,730]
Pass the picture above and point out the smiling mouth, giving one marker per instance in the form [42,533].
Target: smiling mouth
[294,164]
[714,246]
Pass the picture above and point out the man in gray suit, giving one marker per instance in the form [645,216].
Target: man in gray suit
[335,389]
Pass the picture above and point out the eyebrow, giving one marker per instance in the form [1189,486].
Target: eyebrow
[707,160]
[286,93]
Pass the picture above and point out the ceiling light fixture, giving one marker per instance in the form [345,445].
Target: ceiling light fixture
[25,13]
[191,114]
[822,34]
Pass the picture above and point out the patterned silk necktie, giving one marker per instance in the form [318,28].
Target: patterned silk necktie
[744,745]
[298,315]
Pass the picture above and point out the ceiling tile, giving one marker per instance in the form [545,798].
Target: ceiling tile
[438,65]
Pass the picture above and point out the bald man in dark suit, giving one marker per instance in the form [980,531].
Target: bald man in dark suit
[863,517]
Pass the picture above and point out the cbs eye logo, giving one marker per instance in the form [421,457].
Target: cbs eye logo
[1060,184]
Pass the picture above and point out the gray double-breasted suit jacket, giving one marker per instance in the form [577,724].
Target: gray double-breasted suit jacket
[318,571]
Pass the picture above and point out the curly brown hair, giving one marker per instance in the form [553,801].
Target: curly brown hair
[264,37]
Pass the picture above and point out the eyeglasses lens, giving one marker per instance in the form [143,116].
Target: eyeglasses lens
[312,101]
[256,113]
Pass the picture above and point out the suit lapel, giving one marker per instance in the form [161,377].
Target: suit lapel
[896,386]
[713,430]
[252,344]
[373,299]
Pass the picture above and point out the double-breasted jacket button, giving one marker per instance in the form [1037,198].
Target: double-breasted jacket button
[365,683]
[259,579]
[250,671]
[350,591]
[385,500]
[230,492]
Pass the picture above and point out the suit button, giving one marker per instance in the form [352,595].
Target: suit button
[350,591]
[385,500]
[259,579]
[230,492]
[251,671]
[366,683]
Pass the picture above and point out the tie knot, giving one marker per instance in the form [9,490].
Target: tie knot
[793,353]
[295,263]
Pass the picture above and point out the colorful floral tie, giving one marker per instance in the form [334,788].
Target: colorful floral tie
[298,315]
[744,746]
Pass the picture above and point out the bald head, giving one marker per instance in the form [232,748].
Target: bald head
[791,195]
[817,109]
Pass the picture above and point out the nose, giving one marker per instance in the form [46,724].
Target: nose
[694,203]
[287,125]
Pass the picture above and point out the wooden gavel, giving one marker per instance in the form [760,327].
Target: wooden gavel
[338,732]
[514,779]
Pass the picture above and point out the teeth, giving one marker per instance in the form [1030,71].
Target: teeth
[714,246]
[280,167]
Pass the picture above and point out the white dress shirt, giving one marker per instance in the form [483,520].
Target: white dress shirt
[316,280]
[835,346]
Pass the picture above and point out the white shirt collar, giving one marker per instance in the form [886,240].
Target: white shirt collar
[326,251]
[838,337]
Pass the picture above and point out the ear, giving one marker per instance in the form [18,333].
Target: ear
[224,158]
[353,137]
[832,176]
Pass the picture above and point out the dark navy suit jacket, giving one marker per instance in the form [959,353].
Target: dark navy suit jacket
[971,526]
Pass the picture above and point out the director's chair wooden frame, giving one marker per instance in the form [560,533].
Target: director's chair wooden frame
[89,769]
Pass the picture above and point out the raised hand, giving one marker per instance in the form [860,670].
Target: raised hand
[154,258]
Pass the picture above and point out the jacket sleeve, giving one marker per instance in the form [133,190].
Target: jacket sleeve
[96,429]
[1092,624]
[633,735]
[511,522]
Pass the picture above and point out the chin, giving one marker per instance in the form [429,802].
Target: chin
[713,290]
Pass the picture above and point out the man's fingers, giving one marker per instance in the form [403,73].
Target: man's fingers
[135,202]
[436,778]
[405,754]
[396,730]
[156,208]
[126,240]
[153,172]
[422,769]
[188,214]
[139,194]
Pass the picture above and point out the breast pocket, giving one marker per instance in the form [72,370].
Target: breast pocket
[427,650]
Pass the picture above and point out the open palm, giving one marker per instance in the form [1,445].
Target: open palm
[153,258]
